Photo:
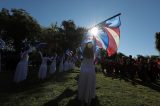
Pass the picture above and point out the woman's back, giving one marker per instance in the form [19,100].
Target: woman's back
[87,77]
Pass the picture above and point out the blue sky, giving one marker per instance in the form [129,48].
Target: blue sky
[140,18]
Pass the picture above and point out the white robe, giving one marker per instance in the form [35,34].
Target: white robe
[22,68]
[43,68]
[87,80]
[53,66]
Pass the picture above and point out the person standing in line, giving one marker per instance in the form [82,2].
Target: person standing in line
[53,65]
[43,68]
[22,66]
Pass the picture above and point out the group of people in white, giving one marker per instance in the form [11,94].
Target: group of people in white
[67,63]
[87,76]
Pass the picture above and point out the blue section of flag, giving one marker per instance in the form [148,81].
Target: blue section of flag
[104,37]
[114,22]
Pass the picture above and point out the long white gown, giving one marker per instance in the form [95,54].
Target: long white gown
[22,68]
[87,80]
[53,66]
[43,68]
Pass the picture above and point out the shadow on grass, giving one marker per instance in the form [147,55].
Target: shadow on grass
[32,81]
[31,85]
[65,94]
[73,102]
[76,102]
[152,85]
[134,82]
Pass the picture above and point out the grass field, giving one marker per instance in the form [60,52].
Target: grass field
[61,90]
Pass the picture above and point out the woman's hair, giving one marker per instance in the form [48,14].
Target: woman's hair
[88,52]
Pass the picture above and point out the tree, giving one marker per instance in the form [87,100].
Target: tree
[59,39]
[68,25]
[4,19]
[72,36]
[19,25]
[49,36]
[157,42]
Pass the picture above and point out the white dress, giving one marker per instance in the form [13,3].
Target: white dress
[53,66]
[22,68]
[43,68]
[87,80]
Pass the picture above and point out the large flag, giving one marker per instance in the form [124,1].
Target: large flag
[107,34]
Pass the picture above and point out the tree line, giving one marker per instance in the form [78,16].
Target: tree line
[17,25]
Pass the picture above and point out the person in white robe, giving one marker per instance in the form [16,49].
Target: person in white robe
[53,65]
[87,76]
[43,67]
[22,67]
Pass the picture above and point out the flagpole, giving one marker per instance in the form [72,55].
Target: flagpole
[107,20]
[113,16]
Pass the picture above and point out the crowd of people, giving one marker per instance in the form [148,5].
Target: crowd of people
[146,69]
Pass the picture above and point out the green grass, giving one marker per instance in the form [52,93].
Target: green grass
[61,90]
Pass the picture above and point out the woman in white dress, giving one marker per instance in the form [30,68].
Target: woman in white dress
[53,65]
[87,76]
[22,67]
[43,68]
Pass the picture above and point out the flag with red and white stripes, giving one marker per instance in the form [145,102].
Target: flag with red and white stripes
[108,35]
